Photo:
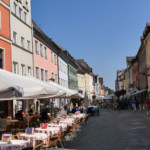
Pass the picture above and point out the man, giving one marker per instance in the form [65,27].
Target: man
[147,105]
[133,102]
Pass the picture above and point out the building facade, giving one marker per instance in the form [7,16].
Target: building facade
[21,36]
[45,58]
[72,72]
[5,49]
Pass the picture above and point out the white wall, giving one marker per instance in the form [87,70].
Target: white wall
[19,54]
[63,72]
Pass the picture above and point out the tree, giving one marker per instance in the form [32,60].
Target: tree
[110,91]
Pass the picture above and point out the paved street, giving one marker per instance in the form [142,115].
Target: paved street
[115,130]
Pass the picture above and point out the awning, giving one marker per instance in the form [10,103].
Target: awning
[14,86]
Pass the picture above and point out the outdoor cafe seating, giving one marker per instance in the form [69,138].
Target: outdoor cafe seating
[52,134]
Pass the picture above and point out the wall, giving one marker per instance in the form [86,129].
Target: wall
[63,72]
[42,62]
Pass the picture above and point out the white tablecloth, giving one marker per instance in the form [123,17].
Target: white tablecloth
[31,138]
[14,145]
[50,131]
[62,126]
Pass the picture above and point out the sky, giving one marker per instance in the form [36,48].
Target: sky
[102,32]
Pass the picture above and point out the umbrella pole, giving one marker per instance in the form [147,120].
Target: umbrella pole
[28,112]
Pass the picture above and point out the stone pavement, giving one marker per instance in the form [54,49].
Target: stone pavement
[114,130]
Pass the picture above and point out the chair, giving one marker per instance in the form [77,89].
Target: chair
[8,128]
[53,141]
[18,135]
[38,144]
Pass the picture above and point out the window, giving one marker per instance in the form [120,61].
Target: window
[15,8]
[45,52]
[41,50]
[55,59]
[42,74]
[20,13]
[15,67]
[51,57]
[1,59]
[56,78]
[46,75]
[52,75]
[36,47]
[28,42]
[29,70]
[15,37]
[37,72]
[22,42]
[25,17]
[23,69]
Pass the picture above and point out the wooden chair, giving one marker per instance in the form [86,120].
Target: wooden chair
[18,135]
[38,144]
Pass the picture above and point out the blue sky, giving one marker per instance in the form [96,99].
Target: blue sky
[102,32]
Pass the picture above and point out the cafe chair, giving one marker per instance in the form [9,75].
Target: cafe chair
[38,144]
[18,135]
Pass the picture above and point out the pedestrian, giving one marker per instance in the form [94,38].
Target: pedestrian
[140,105]
[147,105]
[133,102]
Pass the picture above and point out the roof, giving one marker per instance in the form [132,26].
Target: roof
[83,65]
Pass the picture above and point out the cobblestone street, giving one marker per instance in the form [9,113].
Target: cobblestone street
[114,130]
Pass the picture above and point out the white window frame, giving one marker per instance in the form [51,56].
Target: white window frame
[22,42]
[37,47]
[28,45]
[23,69]
[20,13]
[51,57]
[15,67]
[15,37]
[37,72]
[45,49]
[42,74]
[29,70]
[15,9]
[46,75]
[25,17]
[41,50]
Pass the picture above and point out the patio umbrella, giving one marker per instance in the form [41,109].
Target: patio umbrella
[14,86]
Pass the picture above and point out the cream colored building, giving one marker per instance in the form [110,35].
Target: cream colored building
[87,84]
[81,82]
[21,36]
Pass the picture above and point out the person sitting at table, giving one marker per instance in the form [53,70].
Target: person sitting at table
[19,115]
[31,112]
[44,115]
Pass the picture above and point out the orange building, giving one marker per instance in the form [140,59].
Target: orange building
[5,43]
[5,49]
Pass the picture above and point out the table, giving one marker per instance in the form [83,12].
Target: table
[62,126]
[68,121]
[79,116]
[14,145]
[12,122]
[31,138]
[50,131]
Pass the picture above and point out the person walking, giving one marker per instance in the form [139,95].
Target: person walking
[133,102]
[147,105]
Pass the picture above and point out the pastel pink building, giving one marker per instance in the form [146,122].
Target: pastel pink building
[45,56]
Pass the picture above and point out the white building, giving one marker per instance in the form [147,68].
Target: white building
[91,86]
[21,36]
[63,72]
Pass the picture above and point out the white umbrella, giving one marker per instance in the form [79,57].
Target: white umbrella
[14,86]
